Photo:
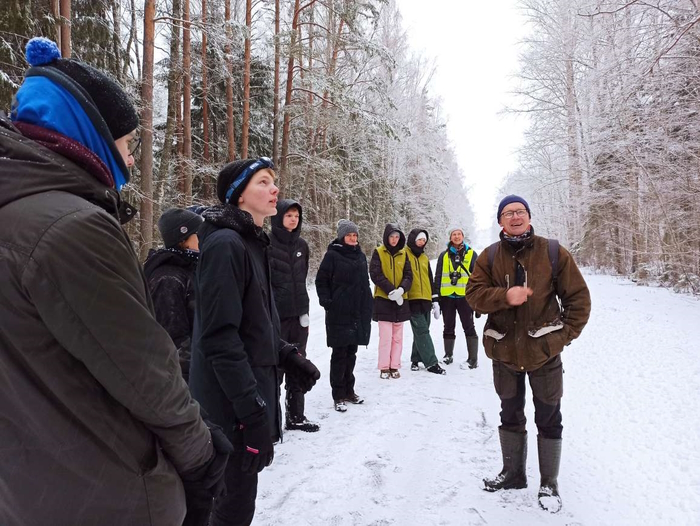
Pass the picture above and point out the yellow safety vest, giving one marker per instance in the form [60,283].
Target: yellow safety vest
[421,288]
[446,286]
[392,266]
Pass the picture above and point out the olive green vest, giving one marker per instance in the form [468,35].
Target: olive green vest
[421,288]
[393,269]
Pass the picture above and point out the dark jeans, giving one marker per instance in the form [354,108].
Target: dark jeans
[237,507]
[450,307]
[292,332]
[547,389]
[342,366]
[423,349]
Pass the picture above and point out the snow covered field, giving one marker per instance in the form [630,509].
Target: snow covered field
[415,452]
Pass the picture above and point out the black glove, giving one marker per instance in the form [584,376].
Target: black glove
[258,450]
[303,370]
[206,483]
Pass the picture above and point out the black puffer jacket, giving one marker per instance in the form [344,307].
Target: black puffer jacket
[236,343]
[386,309]
[342,284]
[289,264]
[170,275]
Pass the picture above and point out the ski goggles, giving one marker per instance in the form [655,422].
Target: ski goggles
[260,164]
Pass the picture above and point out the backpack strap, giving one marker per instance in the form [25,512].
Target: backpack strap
[492,253]
[553,250]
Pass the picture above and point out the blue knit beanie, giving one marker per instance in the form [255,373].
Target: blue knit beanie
[512,199]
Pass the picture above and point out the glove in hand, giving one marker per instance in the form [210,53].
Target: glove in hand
[436,310]
[303,370]
[395,294]
[258,450]
[304,320]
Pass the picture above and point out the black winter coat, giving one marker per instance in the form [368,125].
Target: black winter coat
[236,343]
[342,284]
[170,275]
[386,309]
[289,264]
[96,420]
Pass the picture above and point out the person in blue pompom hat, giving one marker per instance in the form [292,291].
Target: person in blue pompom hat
[98,424]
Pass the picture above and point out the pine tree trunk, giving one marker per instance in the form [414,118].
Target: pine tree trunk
[276,96]
[65,11]
[246,80]
[288,96]
[146,212]
[206,183]
[230,130]
[186,197]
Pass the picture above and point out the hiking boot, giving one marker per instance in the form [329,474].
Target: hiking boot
[514,451]
[384,374]
[339,405]
[301,424]
[549,450]
[354,398]
[394,373]
[414,366]
[436,369]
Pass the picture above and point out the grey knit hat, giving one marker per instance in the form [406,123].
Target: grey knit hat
[345,227]
[176,225]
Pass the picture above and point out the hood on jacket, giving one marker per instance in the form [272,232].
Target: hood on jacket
[169,256]
[411,242]
[28,168]
[388,229]
[278,230]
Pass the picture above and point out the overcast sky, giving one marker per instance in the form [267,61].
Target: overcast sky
[474,45]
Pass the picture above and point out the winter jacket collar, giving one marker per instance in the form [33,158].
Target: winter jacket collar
[44,161]
[232,217]
[170,256]
[280,233]
[338,245]
[519,242]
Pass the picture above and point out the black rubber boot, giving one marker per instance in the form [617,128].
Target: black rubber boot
[473,351]
[549,450]
[514,451]
[449,352]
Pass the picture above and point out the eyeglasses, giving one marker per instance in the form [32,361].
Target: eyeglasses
[135,145]
[510,213]
[263,162]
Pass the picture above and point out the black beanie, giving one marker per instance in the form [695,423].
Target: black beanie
[176,225]
[230,182]
[111,101]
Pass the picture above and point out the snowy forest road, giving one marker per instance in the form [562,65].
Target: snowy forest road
[415,452]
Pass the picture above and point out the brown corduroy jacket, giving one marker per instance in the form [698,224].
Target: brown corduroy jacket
[525,337]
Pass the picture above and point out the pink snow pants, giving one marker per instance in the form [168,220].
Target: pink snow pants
[390,345]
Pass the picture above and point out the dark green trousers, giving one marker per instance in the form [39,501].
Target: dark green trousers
[423,349]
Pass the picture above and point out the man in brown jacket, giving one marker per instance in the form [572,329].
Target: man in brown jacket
[517,282]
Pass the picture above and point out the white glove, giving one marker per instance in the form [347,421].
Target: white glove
[395,294]
[304,320]
[436,310]
[399,301]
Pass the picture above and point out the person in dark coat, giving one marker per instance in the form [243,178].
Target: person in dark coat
[342,285]
[391,273]
[98,426]
[420,298]
[289,265]
[236,344]
[452,271]
[170,275]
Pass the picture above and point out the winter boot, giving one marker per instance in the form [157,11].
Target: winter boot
[354,398]
[394,373]
[514,451]
[449,351]
[414,366]
[549,450]
[384,374]
[339,405]
[473,351]
[436,369]
[301,424]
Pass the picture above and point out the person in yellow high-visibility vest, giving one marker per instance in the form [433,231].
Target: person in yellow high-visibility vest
[391,273]
[452,271]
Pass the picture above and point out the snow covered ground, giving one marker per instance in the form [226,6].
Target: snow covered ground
[415,452]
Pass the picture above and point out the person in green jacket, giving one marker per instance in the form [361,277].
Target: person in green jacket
[420,300]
